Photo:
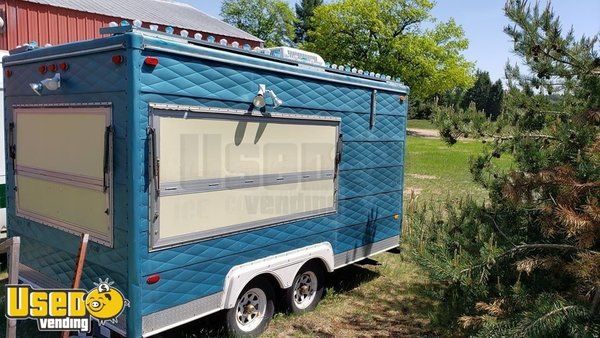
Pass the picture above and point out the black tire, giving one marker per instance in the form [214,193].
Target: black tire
[234,319]
[311,270]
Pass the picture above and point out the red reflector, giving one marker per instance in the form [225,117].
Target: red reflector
[153,279]
[8,73]
[151,61]
[42,69]
[117,59]
[64,66]
[52,68]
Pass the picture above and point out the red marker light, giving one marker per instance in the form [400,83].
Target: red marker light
[8,73]
[64,66]
[151,61]
[42,69]
[153,279]
[118,59]
[53,68]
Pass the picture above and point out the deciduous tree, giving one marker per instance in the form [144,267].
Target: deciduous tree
[391,37]
[271,20]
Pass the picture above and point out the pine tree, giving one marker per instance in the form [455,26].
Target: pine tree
[478,94]
[493,106]
[527,262]
[486,97]
[304,13]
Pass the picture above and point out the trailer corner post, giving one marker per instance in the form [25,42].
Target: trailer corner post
[138,196]
[12,247]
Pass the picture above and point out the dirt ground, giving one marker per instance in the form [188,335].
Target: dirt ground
[423,132]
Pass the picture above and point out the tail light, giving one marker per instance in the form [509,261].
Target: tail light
[118,59]
[151,61]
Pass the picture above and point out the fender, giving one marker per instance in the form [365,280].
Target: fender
[283,267]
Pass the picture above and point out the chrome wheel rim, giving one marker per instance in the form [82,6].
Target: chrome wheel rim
[250,309]
[305,289]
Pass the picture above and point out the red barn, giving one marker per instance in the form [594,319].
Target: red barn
[62,21]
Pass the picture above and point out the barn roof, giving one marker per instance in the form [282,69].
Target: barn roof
[162,12]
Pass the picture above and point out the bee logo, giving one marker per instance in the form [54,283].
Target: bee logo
[104,302]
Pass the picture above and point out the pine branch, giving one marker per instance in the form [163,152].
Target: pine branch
[532,136]
[545,246]
[528,247]
[563,309]
[500,230]
[595,303]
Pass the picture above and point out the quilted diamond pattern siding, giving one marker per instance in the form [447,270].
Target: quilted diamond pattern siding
[201,279]
[370,180]
[183,76]
[388,103]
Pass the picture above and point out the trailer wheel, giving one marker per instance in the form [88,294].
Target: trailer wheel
[252,311]
[307,289]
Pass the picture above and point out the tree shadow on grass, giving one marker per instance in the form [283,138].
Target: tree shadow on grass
[351,276]
[406,313]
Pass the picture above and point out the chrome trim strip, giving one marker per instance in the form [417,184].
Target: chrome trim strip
[357,254]
[164,320]
[63,105]
[175,110]
[64,55]
[273,69]
[53,176]
[229,183]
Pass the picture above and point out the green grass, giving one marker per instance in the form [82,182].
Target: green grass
[436,171]
[421,124]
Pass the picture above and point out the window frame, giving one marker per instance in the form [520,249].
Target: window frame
[156,191]
[105,185]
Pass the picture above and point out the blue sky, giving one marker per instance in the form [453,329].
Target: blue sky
[483,22]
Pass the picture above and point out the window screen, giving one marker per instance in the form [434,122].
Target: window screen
[62,169]
[218,172]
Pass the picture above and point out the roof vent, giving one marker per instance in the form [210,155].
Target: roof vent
[297,55]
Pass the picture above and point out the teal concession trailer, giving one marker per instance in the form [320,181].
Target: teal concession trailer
[210,177]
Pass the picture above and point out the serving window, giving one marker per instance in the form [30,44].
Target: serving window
[220,171]
[61,157]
